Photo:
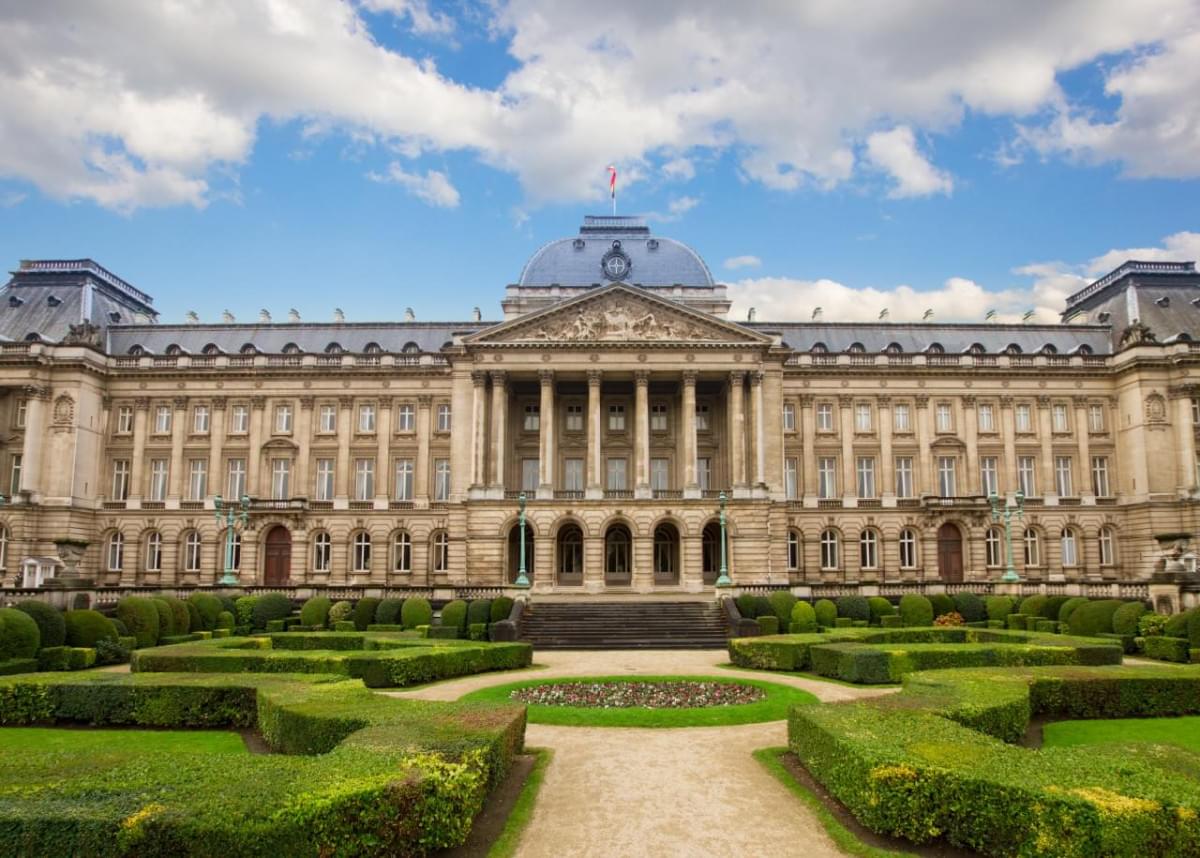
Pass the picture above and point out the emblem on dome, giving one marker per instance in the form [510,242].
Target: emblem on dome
[616,264]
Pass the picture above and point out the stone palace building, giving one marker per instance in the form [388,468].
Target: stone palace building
[620,398]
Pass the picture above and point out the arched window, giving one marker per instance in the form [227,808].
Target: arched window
[136,350]
[710,550]
[441,551]
[856,349]
[995,547]
[173,350]
[819,349]
[1108,547]
[1033,548]
[935,349]
[793,550]
[666,551]
[908,549]
[617,559]
[1012,349]
[360,559]
[373,349]
[292,349]
[868,549]
[1049,349]
[334,349]
[411,348]
[322,552]
[894,349]
[3,547]
[249,349]
[570,551]
[1084,350]
[1070,548]
[154,543]
[211,349]
[976,349]
[401,552]
[191,552]
[829,549]
[114,554]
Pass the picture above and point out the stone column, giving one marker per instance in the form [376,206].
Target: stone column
[478,429]
[924,479]
[595,488]
[887,467]
[1008,428]
[383,453]
[304,433]
[1045,435]
[737,439]
[341,468]
[546,436]
[178,431]
[216,478]
[641,425]
[137,468]
[1084,471]
[422,489]
[846,431]
[35,436]
[974,481]
[808,434]
[1185,440]
[254,454]
[499,424]
[760,439]
[690,487]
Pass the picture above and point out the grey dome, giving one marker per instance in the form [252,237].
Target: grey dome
[651,260]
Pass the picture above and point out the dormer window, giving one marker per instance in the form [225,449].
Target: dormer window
[976,349]
[249,349]
[373,349]
[292,349]
[114,317]
[1048,349]
[53,300]
[935,349]
[15,301]
[819,349]
[1012,349]
[411,348]
[136,351]
[856,349]
[334,349]
[173,350]
[894,349]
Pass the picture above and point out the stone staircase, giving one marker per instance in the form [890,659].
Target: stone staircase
[624,625]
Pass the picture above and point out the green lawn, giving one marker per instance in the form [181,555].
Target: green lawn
[1183,732]
[59,739]
[773,707]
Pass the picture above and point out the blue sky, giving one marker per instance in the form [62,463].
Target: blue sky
[422,155]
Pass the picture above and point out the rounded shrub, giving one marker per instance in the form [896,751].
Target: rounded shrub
[762,607]
[315,612]
[270,606]
[1094,617]
[50,622]
[340,612]
[387,612]
[244,610]
[416,612]
[826,612]
[1053,606]
[501,607]
[86,628]
[364,612]
[879,607]
[479,611]
[454,615]
[1125,618]
[166,617]
[140,617]
[854,607]
[803,619]
[225,620]
[1031,606]
[942,604]
[122,629]
[1151,625]
[747,606]
[971,607]
[195,621]
[19,635]
[181,617]
[209,607]
[1068,607]
[1193,628]
[228,603]
[998,607]
[1177,624]
[781,605]
[916,610]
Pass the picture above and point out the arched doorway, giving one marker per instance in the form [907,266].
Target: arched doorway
[618,556]
[514,552]
[710,549]
[666,554]
[277,565]
[569,555]
[950,554]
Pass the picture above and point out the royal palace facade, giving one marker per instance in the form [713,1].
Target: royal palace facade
[618,397]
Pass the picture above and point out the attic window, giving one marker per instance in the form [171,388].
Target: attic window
[819,348]
[114,317]
[976,349]
[249,349]
[334,349]
[1084,350]
[211,349]
[652,244]
[1049,349]
[578,244]
[53,300]
[1164,301]
[856,349]
[935,349]
[894,349]
[291,349]
[373,349]
[173,350]
[1103,318]
[136,350]
[14,301]
[411,348]
[1012,349]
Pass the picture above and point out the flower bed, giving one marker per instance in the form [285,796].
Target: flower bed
[649,695]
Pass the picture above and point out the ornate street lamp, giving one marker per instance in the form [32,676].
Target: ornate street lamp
[723,578]
[234,514]
[1001,510]
[522,579]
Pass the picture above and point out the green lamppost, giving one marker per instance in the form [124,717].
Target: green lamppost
[522,579]
[233,515]
[723,578]
[1002,511]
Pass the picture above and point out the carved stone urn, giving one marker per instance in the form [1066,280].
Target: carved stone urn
[70,552]
[1170,566]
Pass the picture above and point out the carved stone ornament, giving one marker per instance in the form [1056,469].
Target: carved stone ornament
[619,320]
[83,334]
[64,411]
[1156,408]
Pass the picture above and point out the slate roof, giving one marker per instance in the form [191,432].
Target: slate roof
[1164,296]
[312,338]
[47,297]
[953,338]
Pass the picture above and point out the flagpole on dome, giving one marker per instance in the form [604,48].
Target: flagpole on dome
[612,187]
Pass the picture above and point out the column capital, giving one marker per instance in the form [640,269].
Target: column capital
[180,403]
[595,376]
[737,377]
[306,402]
[968,401]
[806,400]
[756,378]
[1043,401]
[546,376]
[1006,402]
[142,403]
[33,391]
[642,377]
[689,378]
[845,400]
[478,377]
[385,402]
[1079,401]
[499,377]
[884,401]
[106,401]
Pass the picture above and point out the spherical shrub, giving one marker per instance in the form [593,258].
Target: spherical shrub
[19,634]
[270,606]
[803,619]
[122,629]
[501,607]
[951,619]
[1151,625]
[1068,607]
[747,606]
[416,612]
[225,620]
[364,612]
[387,612]
[244,610]
[1125,618]
[315,612]
[998,607]
[228,603]
[339,612]
[879,607]
[1094,617]
[454,615]
[209,608]
[854,607]
[85,628]
[826,612]
[970,606]
[1031,606]
[781,605]
[942,604]
[1193,629]
[1176,625]
[166,617]
[140,617]
[50,622]
[195,621]
[762,607]
[479,611]
[916,610]
[181,617]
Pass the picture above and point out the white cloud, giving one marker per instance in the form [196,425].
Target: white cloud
[680,169]
[746,261]
[895,152]
[434,187]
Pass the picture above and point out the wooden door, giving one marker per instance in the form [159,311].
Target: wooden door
[277,568]
[950,554]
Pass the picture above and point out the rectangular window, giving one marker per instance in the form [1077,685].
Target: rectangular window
[987,420]
[162,420]
[864,469]
[441,479]
[364,479]
[1100,476]
[824,417]
[989,477]
[158,479]
[827,477]
[658,417]
[616,418]
[404,479]
[1095,418]
[325,472]
[328,419]
[443,418]
[366,418]
[239,420]
[789,417]
[573,475]
[533,418]
[703,473]
[863,420]
[901,417]
[200,420]
[1023,419]
[616,475]
[1026,469]
[1196,411]
[1059,418]
[235,480]
[530,475]
[1062,476]
[281,474]
[947,485]
[660,474]
[22,410]
[904,477]
[197,479]
[124,419]
[14,474]
[283,419]
[702,415]
[575,417]
[406,418]
[943,416]
[791,478]
[120,481]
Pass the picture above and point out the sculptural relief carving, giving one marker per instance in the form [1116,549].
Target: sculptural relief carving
[617,321]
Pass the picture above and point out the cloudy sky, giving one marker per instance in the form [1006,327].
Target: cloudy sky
[378,154]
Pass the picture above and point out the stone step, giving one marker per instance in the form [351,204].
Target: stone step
[625,625]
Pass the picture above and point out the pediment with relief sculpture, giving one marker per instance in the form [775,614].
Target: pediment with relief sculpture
[617,314]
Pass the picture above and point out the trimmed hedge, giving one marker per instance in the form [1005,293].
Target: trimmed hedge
[140,617]
[364,612]
[1125,618]
[746,605]
[315,612]
[479,611]
[416,612]
[768,625]
[782,603]
[19,634]
[853,607]
[998,607]
[51,625]
[387,613]
[10,666]
[66,658]
[225,621]
[826,612]
[1068,607]
[970,606]
[1165,648]
[454,616]
[209,608]
[916,610]
[880,608]
[1031,606]
[1193,628]
[501,607]
[803,619]
[1094,617]
[270,606]
[244,610]
[942,604]
[86,628]
[166,617]
[1052,607]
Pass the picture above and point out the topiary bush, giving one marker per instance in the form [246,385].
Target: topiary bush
[762,607]
[195,621]
[1031,606]
[181,617]
[853,607]
[501,607]
[141,619]
[916,610]
[416,612]
[19,634]
[1068,607]
[768,625]
[1094,617]
[51,625]
[747,606]
[998,607]
[1193,629]
[387,613]
[1052,607]
[270,606]
[1151,625]
[454,615]
[942,604]
[166,617]
[971,607]
[315,612]
[781,605]
[86,628]
[826,612]
[340,612]
[1177,624]
[803,619]
[244,610]
[209,608]
[225,620]
[364,612]
[1125,618]
[479,611]
[879,608]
